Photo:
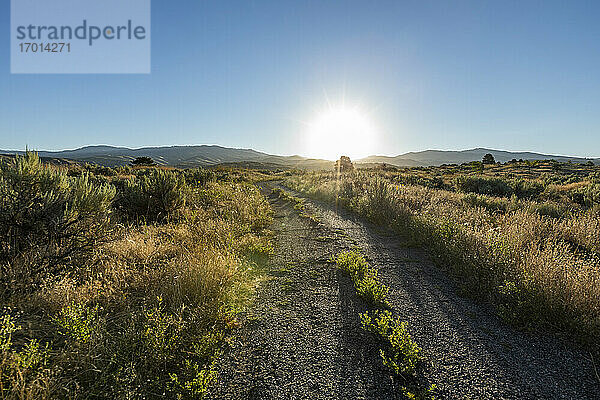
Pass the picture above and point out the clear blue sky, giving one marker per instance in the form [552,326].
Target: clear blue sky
[516,75]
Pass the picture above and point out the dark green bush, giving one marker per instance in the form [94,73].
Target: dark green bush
[106,171]
[527,189]
[586,196]
[500,187]
[553,210]
[156,195]
[489,203]
[435,182]
[481,185]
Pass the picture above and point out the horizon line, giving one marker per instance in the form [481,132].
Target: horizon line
[294,155]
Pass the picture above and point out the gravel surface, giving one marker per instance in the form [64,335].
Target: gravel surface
[303,339]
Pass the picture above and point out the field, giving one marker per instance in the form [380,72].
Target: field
[122,284]
[156,282]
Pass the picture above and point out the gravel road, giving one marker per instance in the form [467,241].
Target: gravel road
[303,339]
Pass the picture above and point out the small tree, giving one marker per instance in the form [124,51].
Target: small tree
[344,164]
[489,159]
[143,161]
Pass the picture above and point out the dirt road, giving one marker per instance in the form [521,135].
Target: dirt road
[303,339]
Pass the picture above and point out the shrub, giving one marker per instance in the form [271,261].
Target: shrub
[154,196]
[101,170]
[491,204]
[588,195]
[143,161]
[124,170]
[78,322]
[481,185]
[527,189]
[377,202]
[553,210]
[199,176]
[48,217]
[499,187]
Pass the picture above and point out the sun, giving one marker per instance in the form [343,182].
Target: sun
[341,131]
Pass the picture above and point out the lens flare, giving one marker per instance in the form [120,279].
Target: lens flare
[341,131]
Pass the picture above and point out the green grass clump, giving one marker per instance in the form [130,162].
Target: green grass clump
[78,322]
[400,353]
[364,277]
[297,201]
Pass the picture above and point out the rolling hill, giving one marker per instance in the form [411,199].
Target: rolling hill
[439,157]
[204,156]
[182,156]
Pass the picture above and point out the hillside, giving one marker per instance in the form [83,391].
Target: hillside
[205,155]
[182,156]
[439,157]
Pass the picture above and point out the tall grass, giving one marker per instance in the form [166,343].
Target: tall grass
[541,272]
[142,313]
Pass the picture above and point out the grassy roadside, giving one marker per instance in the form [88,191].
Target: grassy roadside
[131,285]
[540,271]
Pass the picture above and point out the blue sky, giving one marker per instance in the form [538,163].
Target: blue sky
[515,75]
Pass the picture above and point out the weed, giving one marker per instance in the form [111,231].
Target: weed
[418,393]
[78,322]
[363,276]
[193,381]
[23,373]
[400,354]
[297,201]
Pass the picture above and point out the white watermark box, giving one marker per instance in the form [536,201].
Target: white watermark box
[80,37]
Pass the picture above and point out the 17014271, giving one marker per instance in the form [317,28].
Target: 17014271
[45,47]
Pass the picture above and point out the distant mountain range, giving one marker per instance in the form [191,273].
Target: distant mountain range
[182,157]
[439,157]
[194,156]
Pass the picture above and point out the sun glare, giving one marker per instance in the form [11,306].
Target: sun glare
[341,131]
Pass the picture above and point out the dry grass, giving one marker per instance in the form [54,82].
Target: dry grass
[145,313]
[541,272]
